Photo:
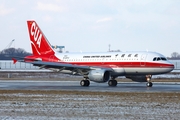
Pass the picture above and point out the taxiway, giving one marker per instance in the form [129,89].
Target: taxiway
[99,87]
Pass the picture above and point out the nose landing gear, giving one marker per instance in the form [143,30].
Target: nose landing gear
[149,83]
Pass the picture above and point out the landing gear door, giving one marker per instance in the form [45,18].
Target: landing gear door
[143,60]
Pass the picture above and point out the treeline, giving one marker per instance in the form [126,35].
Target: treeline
[8,54]
[174,56]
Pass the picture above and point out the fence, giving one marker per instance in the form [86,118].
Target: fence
[19,65]
[176,65]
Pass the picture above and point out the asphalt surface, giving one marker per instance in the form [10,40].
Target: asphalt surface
[99,87]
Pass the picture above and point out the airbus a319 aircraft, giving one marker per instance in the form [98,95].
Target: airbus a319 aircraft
[98,67]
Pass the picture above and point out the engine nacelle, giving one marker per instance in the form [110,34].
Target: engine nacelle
[99,76]
[139,78]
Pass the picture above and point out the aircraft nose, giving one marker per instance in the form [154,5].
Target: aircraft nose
[171,67]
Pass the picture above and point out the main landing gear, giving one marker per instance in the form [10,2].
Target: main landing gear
[112,82]
[85,83]
[149,83]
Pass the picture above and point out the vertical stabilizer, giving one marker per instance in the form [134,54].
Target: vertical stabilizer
[39,43]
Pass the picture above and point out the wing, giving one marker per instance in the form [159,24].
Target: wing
[60,66]
[76,69]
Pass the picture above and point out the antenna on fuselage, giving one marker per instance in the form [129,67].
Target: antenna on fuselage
[109,47]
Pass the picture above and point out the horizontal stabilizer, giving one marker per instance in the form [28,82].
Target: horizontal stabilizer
[14,60]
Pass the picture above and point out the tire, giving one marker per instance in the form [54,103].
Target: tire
[87,83]
[83,83]
[115,83]
[149,84]
[112,83]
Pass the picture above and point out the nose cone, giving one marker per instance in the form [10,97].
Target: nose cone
[171,67]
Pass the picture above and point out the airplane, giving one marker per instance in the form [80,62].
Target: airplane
[99,67]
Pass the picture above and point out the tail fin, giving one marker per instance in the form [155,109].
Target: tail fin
[39,43]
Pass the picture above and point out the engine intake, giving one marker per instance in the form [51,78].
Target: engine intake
[99,76]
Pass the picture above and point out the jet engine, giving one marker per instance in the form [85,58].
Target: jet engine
[99,76]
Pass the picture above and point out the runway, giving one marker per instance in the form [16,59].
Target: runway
[96,87]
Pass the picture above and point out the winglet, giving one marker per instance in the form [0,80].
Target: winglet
[14,60]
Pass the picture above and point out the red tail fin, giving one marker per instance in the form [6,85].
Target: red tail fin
[39,43]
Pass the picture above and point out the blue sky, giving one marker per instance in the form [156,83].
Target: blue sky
[91,25]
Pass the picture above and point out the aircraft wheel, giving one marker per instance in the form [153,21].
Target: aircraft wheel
[85,83]
[149,84]
[112,83]
[82,83]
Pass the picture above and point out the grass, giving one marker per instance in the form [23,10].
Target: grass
[135,96]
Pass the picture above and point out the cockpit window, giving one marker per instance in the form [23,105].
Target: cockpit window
[122,55]
[162,58]
[154,59]
[136,55]
[159,58]
[129,55]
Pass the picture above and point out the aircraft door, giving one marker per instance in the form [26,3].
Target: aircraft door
[102,62]
[143,60]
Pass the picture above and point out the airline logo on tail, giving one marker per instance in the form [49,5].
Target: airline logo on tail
[40,45]
[35,33]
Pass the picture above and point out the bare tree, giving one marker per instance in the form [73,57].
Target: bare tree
[175,55]
[9,51]
[7,54]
